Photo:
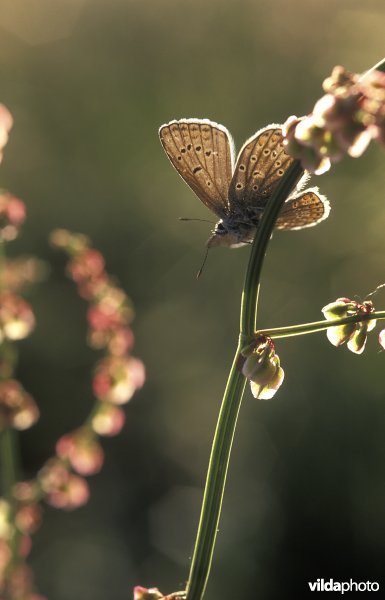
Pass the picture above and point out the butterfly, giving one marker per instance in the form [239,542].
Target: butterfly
[203,154]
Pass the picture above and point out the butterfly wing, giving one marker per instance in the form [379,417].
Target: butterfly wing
[202,152]
[261,163]
[305,210]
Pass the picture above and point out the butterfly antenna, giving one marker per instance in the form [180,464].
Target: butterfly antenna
[203,263]
[192,219]
[375,290]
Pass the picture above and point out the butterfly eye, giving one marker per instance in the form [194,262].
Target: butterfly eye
[220,229]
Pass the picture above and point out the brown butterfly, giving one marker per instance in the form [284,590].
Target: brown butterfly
[203,154]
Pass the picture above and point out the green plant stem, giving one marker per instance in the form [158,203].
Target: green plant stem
[224,433]
[315,326]
[8,462]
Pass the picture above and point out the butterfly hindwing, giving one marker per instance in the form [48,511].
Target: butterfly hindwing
[304,210]
[202,153]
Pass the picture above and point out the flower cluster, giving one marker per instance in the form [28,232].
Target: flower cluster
[116,376]
[262,367]
[18,521]
[355,334]
[20,513]
[343,121]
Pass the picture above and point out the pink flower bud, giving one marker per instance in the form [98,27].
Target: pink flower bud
[86,265]
[26,492]
[17,408]
[108,419]
[16,316]
[117,378]
[141,593]
[121,341]
[28,518]
[62,488]
[82,450]
[12,216]
[6,122]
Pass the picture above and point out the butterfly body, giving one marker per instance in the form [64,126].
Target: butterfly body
[203,154]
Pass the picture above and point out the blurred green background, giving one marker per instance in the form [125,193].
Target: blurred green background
[89,82]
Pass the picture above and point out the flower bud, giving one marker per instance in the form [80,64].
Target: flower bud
[82,451]
[28,518]
[12,216]
[263,369]
[17,407]
[268,391]
[357,341]
[16,316]
[117,378]
[353,333]
[108,419]
[338,309]
[259,368]
[62,488]
[381,338]
[141,593]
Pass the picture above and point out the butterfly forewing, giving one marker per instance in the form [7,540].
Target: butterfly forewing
[305,210]
[202,153]
[261,163]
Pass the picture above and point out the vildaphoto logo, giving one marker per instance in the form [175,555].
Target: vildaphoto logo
[329,585]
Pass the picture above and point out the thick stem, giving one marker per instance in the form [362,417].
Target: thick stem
[224,434]
[215,483]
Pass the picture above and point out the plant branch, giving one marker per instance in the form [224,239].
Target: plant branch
[315,326]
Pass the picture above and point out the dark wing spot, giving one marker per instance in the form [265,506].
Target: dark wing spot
[242,167]
[280,172]
[179,158]
[208,152]
[196,169]
[198,148]
[266,151]
[253,157]
[278,163]
[183,150]
[208,183]
[239,186]
[188,146]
